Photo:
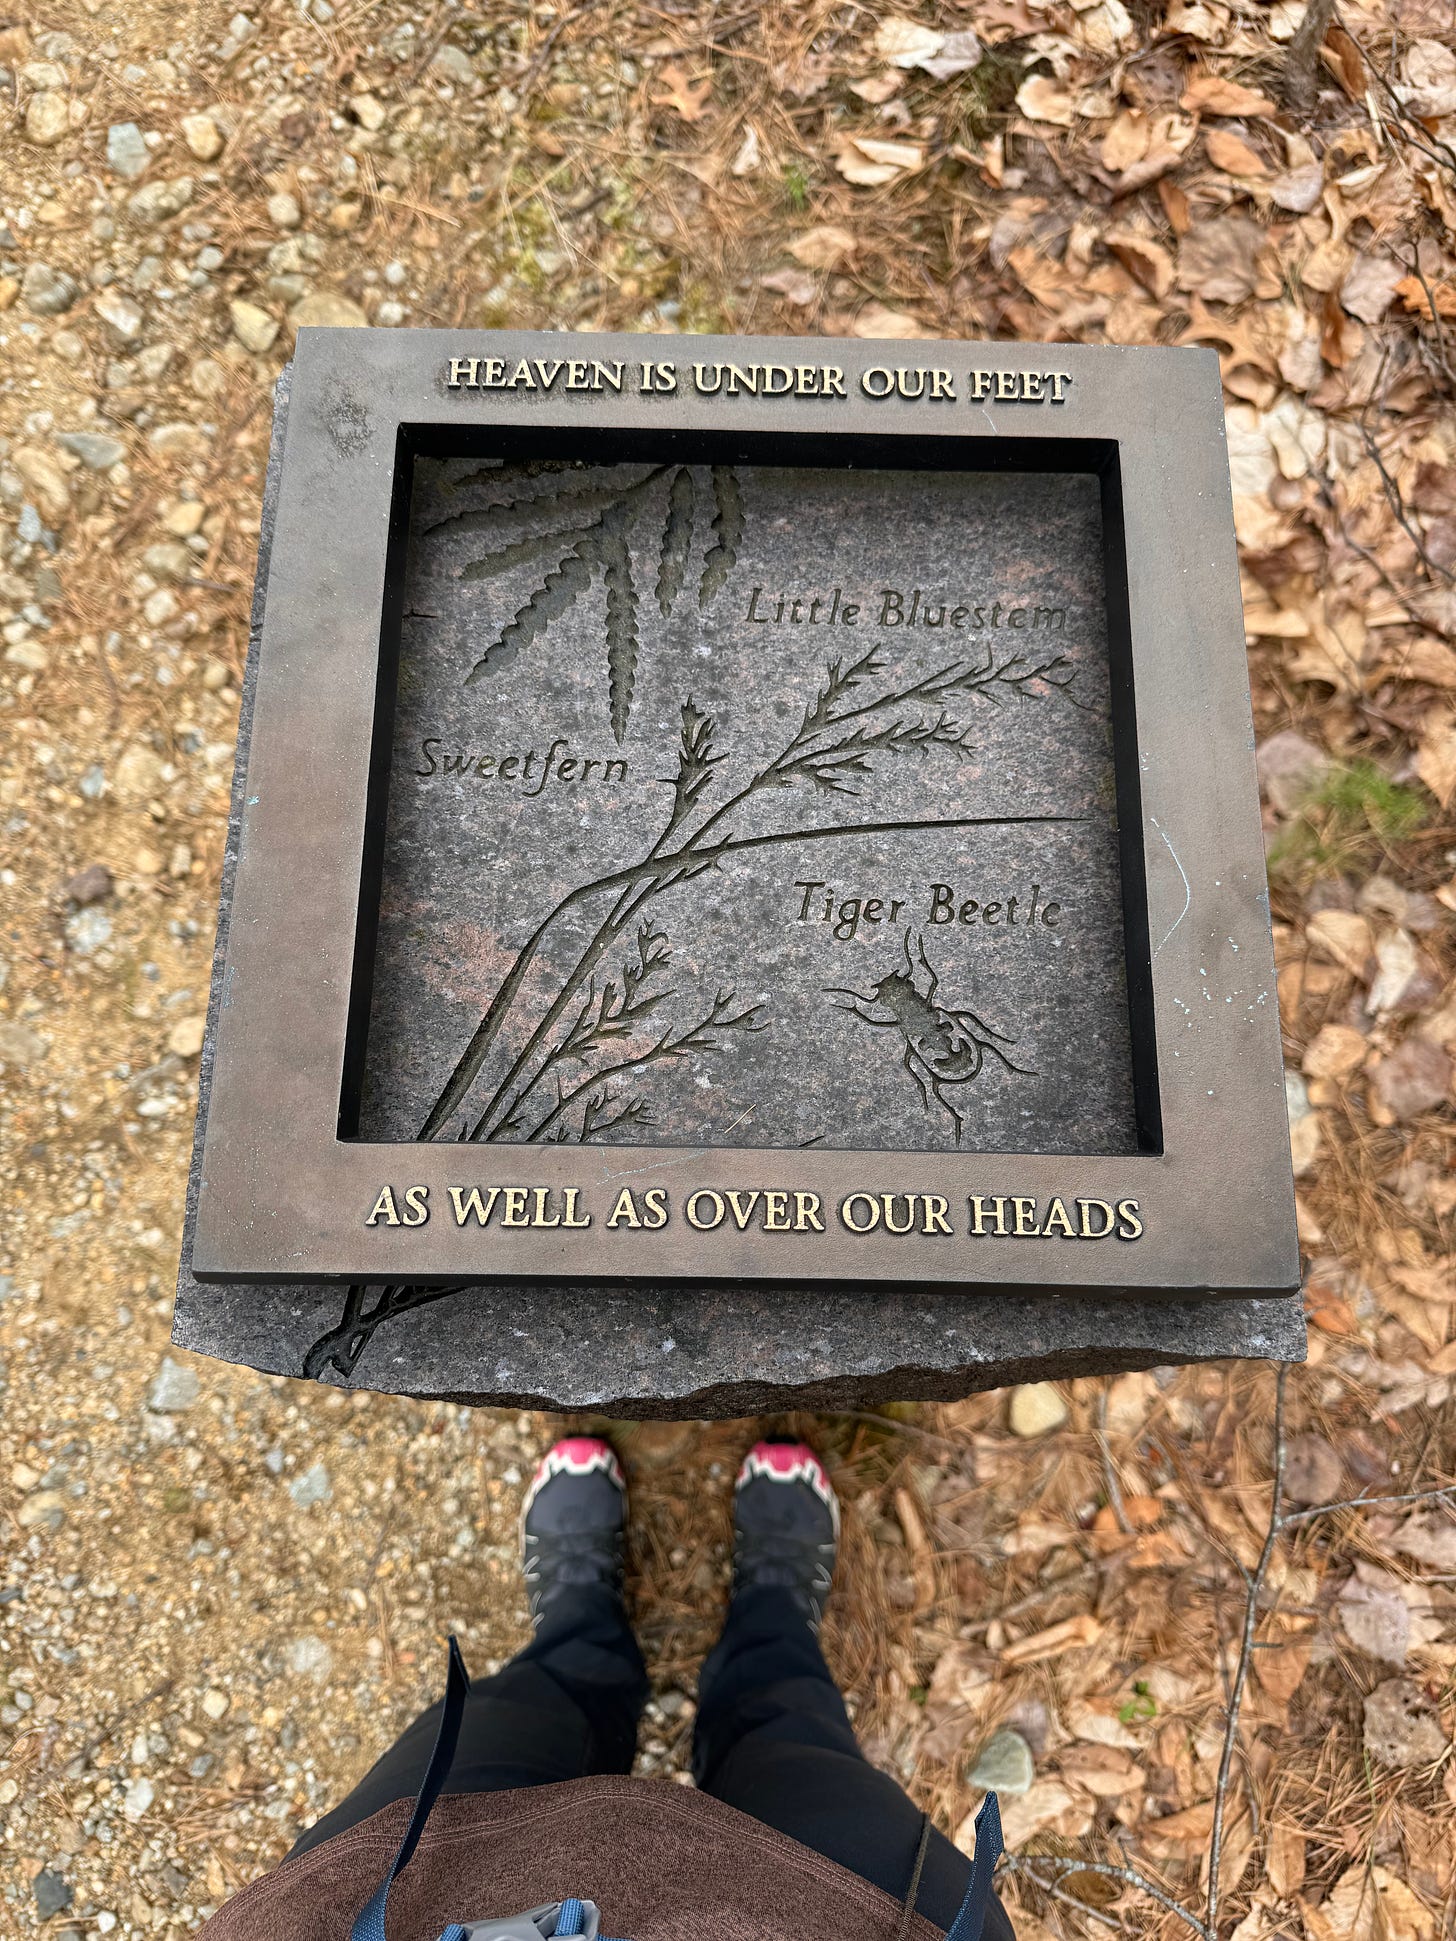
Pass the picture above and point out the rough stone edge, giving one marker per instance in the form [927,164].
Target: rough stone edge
[189,1291]
[970,1343]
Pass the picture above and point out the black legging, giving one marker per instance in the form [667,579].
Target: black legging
[771,1738]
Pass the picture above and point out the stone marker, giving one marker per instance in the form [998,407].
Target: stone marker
[744,882]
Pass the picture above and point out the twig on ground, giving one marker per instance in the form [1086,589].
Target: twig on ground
[1129,1876]
[1109,1471]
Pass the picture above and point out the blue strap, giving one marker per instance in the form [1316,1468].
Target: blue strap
[369,1921]
[570,1918]
[971,1917]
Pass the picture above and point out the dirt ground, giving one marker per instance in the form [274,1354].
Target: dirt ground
[1209,1700]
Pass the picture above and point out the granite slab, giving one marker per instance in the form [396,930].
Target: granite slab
[725,1348]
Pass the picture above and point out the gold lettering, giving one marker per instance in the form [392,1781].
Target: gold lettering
[1097,1233]
[715,1210]
[887,1200]
[1130,1227]
[1025,1212]
[384,1209]
[872,1207]
[568,1218]
[654,1208]
[543,1195]
[1058,1213]
[936,1209]
[417,1210]
[806,1213]
[463,370]
[515,1214]
[979,1205]
[743,1214]
[469,1205]
[624,1210]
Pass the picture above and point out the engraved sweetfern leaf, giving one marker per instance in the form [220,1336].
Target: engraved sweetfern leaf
[677,540]
[621,631]
[507,557]
[501,521]
[560,589]
[722,555]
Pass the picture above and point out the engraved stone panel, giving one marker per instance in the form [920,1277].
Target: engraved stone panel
[724,797]
[744,806]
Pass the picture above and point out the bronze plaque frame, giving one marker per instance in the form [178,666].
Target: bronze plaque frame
[283,1197]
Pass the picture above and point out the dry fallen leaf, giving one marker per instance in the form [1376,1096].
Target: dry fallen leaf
[797,286]
[868,162]
[1040,98]
[1215,94]
[1336,1051]
[687,97]
[1143,258]
[1369,285]
[1344,938]
[877,89]
[907,43]
[1436,758]
[1230,152]
[1072,1634]
[1107,1772]
[1187,1831]
[1217,259]
[1426,298]
[749,155]
[1369,1904]
[1126,141]
[824,247]
[1428,85]
[876,320]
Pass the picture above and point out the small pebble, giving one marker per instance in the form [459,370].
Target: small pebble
[174,1388]
[92,884]
[313,1486]
[1004,1766]
[202,136]
[51,1893]
[93,448]
[126,149]
[1036,1408]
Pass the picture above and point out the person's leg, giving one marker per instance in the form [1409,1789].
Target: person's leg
[567,1705]
[773,1737]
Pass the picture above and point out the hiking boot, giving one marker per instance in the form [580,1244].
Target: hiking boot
[786,1525]
[572,1524]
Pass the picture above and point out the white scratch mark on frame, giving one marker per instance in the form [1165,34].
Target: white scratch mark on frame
[1187,888]
[658,1166]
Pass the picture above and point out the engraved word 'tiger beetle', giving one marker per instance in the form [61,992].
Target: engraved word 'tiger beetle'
[943,1046]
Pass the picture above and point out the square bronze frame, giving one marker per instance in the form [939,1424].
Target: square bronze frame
[283,1194]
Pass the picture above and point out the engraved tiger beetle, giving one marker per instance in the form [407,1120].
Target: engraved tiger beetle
[943,1046]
